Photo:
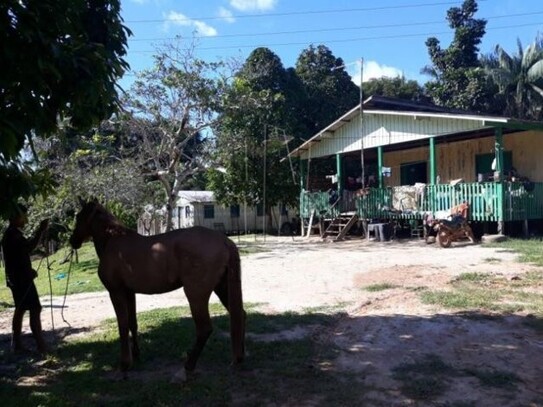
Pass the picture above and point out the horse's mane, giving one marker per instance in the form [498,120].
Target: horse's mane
[113,226]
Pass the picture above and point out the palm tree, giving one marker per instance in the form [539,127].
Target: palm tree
[519,78]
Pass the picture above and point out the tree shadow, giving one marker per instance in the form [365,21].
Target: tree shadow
[296,359]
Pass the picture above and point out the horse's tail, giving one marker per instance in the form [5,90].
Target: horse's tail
[235,304]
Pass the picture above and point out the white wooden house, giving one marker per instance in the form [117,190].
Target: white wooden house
[198,208]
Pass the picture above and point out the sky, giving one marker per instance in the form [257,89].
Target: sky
[388,35]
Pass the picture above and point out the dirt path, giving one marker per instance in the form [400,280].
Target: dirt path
[380,330]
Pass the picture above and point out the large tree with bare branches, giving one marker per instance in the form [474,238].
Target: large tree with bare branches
[171,109]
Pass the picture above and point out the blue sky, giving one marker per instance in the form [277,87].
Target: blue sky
[388,35]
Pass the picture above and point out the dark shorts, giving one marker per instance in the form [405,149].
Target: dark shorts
[26,296]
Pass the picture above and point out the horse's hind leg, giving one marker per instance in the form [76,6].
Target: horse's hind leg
[133,323]
[202,321]
[118,299]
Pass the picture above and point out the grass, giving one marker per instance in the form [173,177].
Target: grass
[279,372]
[380,287]
[529,250]
[82,277]
[495,293]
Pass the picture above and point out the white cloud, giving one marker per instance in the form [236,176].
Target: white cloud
[253,5]
[175,18]
[372,70]
[226,15]
[139,1]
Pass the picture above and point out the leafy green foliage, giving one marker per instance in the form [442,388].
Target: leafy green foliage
[519,78]
[397,87]
[53,68]
[458,81]
[328,89]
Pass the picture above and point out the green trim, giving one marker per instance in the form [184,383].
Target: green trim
[498,150]
[339,174]
[514,125]
[433,168]
[380,165]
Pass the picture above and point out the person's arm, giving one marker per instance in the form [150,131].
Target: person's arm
[38,235]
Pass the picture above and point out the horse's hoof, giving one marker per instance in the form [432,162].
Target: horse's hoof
[179,377]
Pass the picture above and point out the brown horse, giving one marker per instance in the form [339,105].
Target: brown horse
[198,259]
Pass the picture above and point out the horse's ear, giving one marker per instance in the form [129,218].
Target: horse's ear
[81,201]
[95,200]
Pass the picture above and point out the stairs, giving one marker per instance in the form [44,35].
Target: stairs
[340,226]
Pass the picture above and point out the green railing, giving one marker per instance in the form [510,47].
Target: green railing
[489,201]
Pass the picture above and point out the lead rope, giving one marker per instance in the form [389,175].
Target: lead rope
[67,282]
[48,264]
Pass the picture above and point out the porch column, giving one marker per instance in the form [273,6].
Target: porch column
[303,175]
[433,163]
[339,174]
[498,152]
[380,165]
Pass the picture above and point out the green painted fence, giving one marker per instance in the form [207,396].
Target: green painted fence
[489,201]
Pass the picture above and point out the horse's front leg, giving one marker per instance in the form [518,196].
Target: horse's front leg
[119,301]
[202,321]
[133,323]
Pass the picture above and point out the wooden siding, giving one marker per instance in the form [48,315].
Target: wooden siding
[457,160]
[383,130]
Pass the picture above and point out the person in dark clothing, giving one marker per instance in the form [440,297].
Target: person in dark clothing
[20,277]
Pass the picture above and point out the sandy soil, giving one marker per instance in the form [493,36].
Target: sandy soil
[382,329]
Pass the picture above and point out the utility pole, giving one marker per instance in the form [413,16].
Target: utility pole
[361,125]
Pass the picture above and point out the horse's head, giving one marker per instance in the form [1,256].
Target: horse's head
[83,222]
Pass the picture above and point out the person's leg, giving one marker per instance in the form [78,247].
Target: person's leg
[35,327]
[16,327]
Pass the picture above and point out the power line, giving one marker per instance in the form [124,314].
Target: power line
[298,13]
[413,24]
[378,37]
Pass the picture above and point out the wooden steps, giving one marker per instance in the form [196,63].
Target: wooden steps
[340,226]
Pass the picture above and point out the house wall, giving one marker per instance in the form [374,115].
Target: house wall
[457,160]
[223,218]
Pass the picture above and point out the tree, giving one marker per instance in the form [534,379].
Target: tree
[397,87]
[328,88]
[519,78]
[171,109]
[250,136]
[60,59]
[458,79]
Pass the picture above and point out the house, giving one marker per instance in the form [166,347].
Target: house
[198,208]
[400,160]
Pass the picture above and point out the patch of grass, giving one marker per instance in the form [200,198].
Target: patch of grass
[464,298]
[493,378]
[380,287]
[83,371]
[424,379]
[472,277]
[529,250]
[82,276]
[492,260]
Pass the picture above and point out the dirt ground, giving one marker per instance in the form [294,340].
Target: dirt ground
[379,330]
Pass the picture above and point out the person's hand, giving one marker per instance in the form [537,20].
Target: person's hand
[43,224]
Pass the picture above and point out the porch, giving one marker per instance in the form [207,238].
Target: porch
[489,201]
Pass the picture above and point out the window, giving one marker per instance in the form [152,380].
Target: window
[411,173]
[483,164]
[209,211]
[234,211]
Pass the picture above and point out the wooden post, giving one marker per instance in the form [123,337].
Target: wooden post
[433,166]
[339,174]
[380,165]
[303,170]
[498,152]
